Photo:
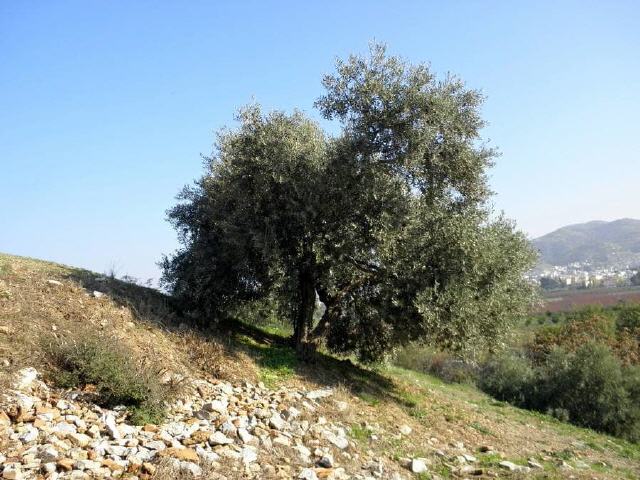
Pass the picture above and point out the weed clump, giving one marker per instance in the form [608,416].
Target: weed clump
[112,373]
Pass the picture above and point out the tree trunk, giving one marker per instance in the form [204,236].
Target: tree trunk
[321,329]
[304,316]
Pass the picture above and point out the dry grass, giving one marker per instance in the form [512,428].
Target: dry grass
[212,357]
[41,299]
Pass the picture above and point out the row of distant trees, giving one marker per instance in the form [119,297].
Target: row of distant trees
[388,222]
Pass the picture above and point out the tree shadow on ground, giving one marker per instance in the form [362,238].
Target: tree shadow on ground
[272,351]
[269,350]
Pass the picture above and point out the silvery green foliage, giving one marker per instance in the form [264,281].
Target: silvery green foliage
[387,223]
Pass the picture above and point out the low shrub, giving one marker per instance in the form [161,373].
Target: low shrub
[589,387]
[508,377]
[595,389]
[628,316]
[444,365]
[110,369]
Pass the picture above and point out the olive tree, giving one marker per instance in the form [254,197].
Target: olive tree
[389,224]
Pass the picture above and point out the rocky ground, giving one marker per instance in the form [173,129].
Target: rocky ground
[220,431]
[223,430]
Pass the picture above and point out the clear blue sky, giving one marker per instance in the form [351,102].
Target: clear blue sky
[105,106]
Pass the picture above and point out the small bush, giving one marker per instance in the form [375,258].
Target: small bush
[111,370]
[508,377]
[628,317]
[595,390]
[444,365]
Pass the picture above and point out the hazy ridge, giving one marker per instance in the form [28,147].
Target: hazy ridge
[615,243]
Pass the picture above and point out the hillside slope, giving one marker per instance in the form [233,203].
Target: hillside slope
[241,406]
[605,243]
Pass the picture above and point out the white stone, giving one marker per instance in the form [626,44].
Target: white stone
[12,472]
[190,468]
[25,402]
[225,388]
[245,436]
[315,394]
[280,440]
[177,429]
[405,430]
[110,424]
[307,474]
[54,282]
[86,465]
[249,455]
[206,456]
[219,438]
[533,464]
[30,435]
[64,427]
[155,445]
[339,441]
[79,439]
[304,452]
[291,413]
[276,422]
[513,467]
[126,430]
[229,428]
[117,450]
[418,466]
[25,378]
[216,406]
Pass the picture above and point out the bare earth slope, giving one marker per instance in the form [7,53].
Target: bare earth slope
[241,406]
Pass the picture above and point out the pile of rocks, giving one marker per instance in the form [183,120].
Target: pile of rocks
[223,427]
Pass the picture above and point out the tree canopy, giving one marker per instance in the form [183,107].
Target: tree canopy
[388,224]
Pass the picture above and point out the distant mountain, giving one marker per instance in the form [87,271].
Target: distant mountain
[614,243]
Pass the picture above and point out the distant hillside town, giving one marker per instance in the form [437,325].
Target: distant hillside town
[584,275]
[589,255]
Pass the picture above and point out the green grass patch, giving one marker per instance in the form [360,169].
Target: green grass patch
[443,471]
[482,429]
[359,433]
[600,468]
[277,363]
[418,413]
[489,460]
[369,399]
